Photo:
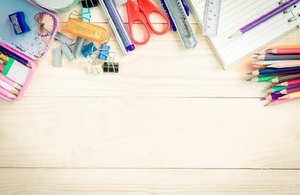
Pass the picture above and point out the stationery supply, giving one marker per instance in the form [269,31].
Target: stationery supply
[118,23]
[18,22]
[57,6]
[26,34]
[211,17]
[236,14]
[87,30]
[178,15]
[113,27]
[140,13]
[285,81]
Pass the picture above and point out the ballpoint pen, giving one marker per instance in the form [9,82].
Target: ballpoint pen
[116,18]
[113,27]
[264,17]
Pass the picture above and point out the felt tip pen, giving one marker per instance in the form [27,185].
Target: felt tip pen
[115,16]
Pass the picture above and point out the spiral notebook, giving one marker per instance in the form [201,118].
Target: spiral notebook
[236,14]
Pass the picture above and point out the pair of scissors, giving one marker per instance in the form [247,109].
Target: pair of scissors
[140,13]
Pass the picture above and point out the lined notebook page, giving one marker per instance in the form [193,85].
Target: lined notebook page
[236,14]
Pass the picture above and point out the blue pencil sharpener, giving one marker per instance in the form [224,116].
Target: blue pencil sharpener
[18,21]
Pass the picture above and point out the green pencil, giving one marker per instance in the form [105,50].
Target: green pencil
[274,89]
[264,78]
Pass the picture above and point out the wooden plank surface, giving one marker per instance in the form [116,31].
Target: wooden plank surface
[148,182]
[172,121]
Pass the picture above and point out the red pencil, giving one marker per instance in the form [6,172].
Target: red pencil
[290,82]
[284,51]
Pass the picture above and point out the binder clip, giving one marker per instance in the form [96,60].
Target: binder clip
[18,21]
[104,51]
[89,3]
[88,50]
[86,14]
[111,66]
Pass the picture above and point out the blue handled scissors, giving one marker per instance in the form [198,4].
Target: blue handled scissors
[140,13]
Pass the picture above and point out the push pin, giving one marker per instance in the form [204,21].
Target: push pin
[18,21]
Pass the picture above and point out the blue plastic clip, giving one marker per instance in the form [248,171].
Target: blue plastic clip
[88,49]
[18,21]
[104,51]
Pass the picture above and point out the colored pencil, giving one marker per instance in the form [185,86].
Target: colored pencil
[8,87]
[291,95]
[10,82]
[272,96]
[290,90]
[292,63]
[290,82]
[275,89]
[265,78]
[268,62]
[283,46]
[284,78]
[284,51]
[280,101]
[7,93]
[269,71]
[265,17]
[277,57]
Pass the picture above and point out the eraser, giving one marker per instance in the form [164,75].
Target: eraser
[18,21]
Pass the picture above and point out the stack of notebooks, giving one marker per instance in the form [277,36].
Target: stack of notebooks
[236,14]
[280,66]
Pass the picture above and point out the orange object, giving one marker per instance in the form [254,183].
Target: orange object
[87,30]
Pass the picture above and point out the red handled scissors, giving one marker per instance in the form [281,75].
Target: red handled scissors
[140,13]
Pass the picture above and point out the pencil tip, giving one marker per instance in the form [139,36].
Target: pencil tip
[249,73]
[230,37]
[263,98]
[248,80]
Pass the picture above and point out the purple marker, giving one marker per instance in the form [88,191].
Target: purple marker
[265,17]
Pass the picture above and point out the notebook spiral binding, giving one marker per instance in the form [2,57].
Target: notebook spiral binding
[295,16]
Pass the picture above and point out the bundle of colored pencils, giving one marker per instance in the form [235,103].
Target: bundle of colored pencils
[280,66]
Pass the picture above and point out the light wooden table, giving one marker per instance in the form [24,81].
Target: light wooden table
[172,121]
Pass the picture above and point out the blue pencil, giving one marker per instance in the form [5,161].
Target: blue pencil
[275,71]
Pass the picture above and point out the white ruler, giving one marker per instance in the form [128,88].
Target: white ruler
[211,17]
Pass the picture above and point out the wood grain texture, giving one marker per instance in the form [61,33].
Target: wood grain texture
[148,182]
[172,121]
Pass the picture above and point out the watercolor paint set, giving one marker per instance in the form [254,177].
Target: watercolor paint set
[26,35]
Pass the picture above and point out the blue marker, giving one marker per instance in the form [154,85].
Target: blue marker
[115,16]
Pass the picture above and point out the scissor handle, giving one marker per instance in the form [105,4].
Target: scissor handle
[134,16]
[149,8]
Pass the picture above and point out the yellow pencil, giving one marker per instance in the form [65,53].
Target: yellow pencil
[291,95]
